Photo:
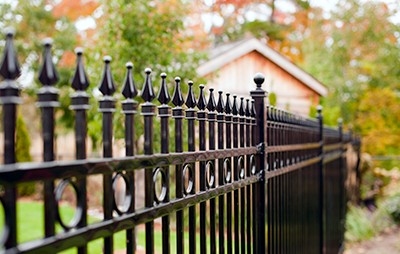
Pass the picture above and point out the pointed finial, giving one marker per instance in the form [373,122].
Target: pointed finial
[235,108]
[259,79]
[247,111]
[9,67]
[202,103]
[163,95]
[228,104]
[340,122]
[129,90]
[241,108]
[177,98]
[253,109]
[48,74]
[211,105]
[80,81]
[190,100]
[220,104]
[147,91]
[107,86]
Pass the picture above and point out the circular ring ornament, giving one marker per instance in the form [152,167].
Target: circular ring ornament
[124,206]
[210,174]
[241,168]
[160,175]
[227,170]
[58,192]
[188,177]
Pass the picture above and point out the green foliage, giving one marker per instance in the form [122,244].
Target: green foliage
[22,147]
[358,225]
[22,141]
[362,224]
[272,98]
[149,34]
[392,205]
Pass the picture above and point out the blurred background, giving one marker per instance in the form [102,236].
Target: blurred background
[346,51]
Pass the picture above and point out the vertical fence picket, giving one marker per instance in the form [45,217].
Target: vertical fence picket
[107,107]
[228,171]
[9,98]
[242,176]
[164,111]
[221,181]
[80,103]
[148,109]
[321,183]
[191,117]
[47,102]
[201,116]
[235,132]
[129,107]
[178,115]
[211,105]
[247,173]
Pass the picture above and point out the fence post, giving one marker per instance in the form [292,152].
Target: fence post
[259,95]
[342,189]
[321,180]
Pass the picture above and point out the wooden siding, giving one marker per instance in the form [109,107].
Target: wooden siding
[237,75]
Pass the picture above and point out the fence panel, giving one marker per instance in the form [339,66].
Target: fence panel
[244,177]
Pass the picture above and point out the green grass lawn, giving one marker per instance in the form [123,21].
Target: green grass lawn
[31,227]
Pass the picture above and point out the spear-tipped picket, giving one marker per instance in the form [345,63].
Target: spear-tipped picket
[190,100]
[9,67]
[129,90]
[177,98]
[80,81]
[247,110]
[241,108]
[163,95]
[235,108]
[228,104]
[211,105]
[202,103]
[253,109]
[48,75]
[107,85]
[220,104]
[147,91]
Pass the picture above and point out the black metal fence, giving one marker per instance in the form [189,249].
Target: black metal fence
[250,179]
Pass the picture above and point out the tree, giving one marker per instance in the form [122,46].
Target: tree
[147,33]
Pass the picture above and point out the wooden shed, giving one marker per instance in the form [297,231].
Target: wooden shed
[231,67]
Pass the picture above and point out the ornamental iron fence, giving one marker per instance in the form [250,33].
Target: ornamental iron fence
[245,177]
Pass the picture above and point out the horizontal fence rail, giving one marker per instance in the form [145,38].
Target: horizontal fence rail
[242,176]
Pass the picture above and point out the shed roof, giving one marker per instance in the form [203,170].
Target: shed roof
[226,53]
